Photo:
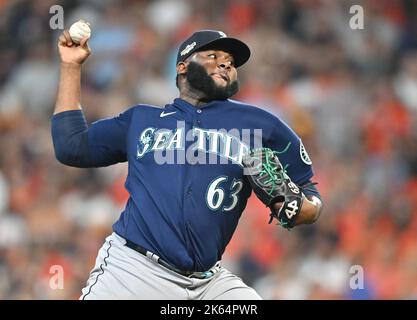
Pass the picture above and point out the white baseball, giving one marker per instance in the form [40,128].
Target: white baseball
[79,30]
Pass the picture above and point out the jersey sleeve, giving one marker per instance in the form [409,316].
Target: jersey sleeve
[107,138]
[291,151]
[103,143]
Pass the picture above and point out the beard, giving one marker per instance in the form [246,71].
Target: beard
[198,79]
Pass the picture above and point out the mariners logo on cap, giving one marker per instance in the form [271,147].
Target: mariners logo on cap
[188,48]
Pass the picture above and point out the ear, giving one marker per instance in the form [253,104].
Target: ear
[181,68]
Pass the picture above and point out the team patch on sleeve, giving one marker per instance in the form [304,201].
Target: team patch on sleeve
[304,155]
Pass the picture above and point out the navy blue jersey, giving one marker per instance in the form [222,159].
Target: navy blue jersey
[185,177]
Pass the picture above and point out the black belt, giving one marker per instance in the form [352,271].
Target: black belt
[157,259]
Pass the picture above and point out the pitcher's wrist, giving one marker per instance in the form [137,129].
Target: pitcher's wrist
[70,65]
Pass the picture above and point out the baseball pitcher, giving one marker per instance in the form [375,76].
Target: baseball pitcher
[193,164]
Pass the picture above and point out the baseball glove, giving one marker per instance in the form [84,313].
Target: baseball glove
[271,184]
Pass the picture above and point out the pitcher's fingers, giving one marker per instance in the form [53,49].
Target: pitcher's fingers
[62,39]
[67,37]
[83,42]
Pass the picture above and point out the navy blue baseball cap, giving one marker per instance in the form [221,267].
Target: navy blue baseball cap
[215,40]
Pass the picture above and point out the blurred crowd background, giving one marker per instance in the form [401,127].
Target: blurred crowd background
[350,94]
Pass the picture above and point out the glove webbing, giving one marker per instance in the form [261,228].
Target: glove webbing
[269,169]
